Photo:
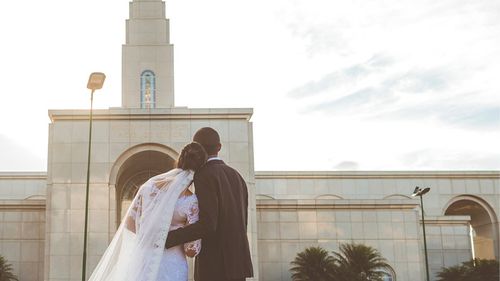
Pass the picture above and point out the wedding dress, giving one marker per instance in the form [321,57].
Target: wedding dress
[137,251]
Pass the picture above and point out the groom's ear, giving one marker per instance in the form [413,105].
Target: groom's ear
[219,147]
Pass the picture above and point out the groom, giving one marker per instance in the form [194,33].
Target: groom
[223,202]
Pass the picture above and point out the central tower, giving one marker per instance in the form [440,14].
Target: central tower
[147,57]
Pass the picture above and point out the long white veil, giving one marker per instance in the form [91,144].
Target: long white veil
[136,256]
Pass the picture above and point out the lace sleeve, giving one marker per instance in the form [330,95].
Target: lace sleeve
[192,248]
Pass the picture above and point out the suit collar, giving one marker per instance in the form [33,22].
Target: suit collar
[213,162]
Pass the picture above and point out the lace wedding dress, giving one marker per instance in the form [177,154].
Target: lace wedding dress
[137,251]
[173,265]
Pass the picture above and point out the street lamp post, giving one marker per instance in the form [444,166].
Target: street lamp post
[420,192]
[96,80]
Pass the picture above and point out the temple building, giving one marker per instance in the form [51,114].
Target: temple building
[42,214]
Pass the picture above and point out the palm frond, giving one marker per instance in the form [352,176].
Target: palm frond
[313,264]
[6,271]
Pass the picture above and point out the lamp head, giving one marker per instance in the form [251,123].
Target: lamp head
[425,190]
[419,192]
[417,189]
[96,80]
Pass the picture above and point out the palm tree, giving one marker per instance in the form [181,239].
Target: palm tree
[6,271]
[313,264]
[357,262]
[474,270]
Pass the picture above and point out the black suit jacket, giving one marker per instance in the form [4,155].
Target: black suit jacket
[223,201]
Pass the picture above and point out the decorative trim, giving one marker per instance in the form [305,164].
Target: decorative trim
[23,175]
[377,174]
[335,204]
[152,114]
[448,220]
[22,205]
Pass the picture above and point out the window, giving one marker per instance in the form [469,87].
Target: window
[389,275]
[148,89]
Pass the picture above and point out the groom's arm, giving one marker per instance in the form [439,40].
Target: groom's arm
[209,213]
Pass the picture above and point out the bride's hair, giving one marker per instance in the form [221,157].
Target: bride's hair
[192,157]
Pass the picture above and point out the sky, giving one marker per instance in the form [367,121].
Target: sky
[335,85]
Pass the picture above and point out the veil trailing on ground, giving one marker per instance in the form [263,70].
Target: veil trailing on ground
[136,250]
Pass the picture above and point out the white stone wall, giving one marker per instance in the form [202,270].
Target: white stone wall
[117,135]
[449,241]
[287,227]
[22,223]
[448,244]
[349,207]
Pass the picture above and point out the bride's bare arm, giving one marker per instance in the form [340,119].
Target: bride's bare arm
[134,212]
[130,224]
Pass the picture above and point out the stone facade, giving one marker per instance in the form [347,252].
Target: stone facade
[294,210]
[300,209]
[129,146]
[22,223]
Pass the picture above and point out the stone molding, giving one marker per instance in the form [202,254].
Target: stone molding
[22,205]
[153,114]
[23,175]
[447,220]
[377,174]
[334,204]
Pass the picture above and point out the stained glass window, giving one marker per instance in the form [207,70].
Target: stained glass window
[148,89]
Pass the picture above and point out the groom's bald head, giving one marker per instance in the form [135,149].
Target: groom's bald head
[209,139]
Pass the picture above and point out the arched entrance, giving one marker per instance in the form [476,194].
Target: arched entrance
[132,169]
[483,224]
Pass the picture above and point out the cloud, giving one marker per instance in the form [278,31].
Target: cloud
[441,159]
[321,37]
[474,116]
[379,98]
[348,75]
[464,114]
[418,94]
[418,81]
[355,101]
[347,166]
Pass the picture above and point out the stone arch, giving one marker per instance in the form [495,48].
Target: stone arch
[264,197]
[131,169]
[397,196]
[329,196]
[484,223]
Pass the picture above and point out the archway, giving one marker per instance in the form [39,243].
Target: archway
[483,222]
[132,169]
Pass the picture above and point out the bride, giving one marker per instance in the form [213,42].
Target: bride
[162,203]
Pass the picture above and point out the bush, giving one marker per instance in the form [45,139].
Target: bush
[474,270]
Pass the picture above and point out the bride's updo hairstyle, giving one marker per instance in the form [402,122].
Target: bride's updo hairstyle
[192,157]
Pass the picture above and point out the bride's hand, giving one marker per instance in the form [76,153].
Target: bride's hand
[190,253]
